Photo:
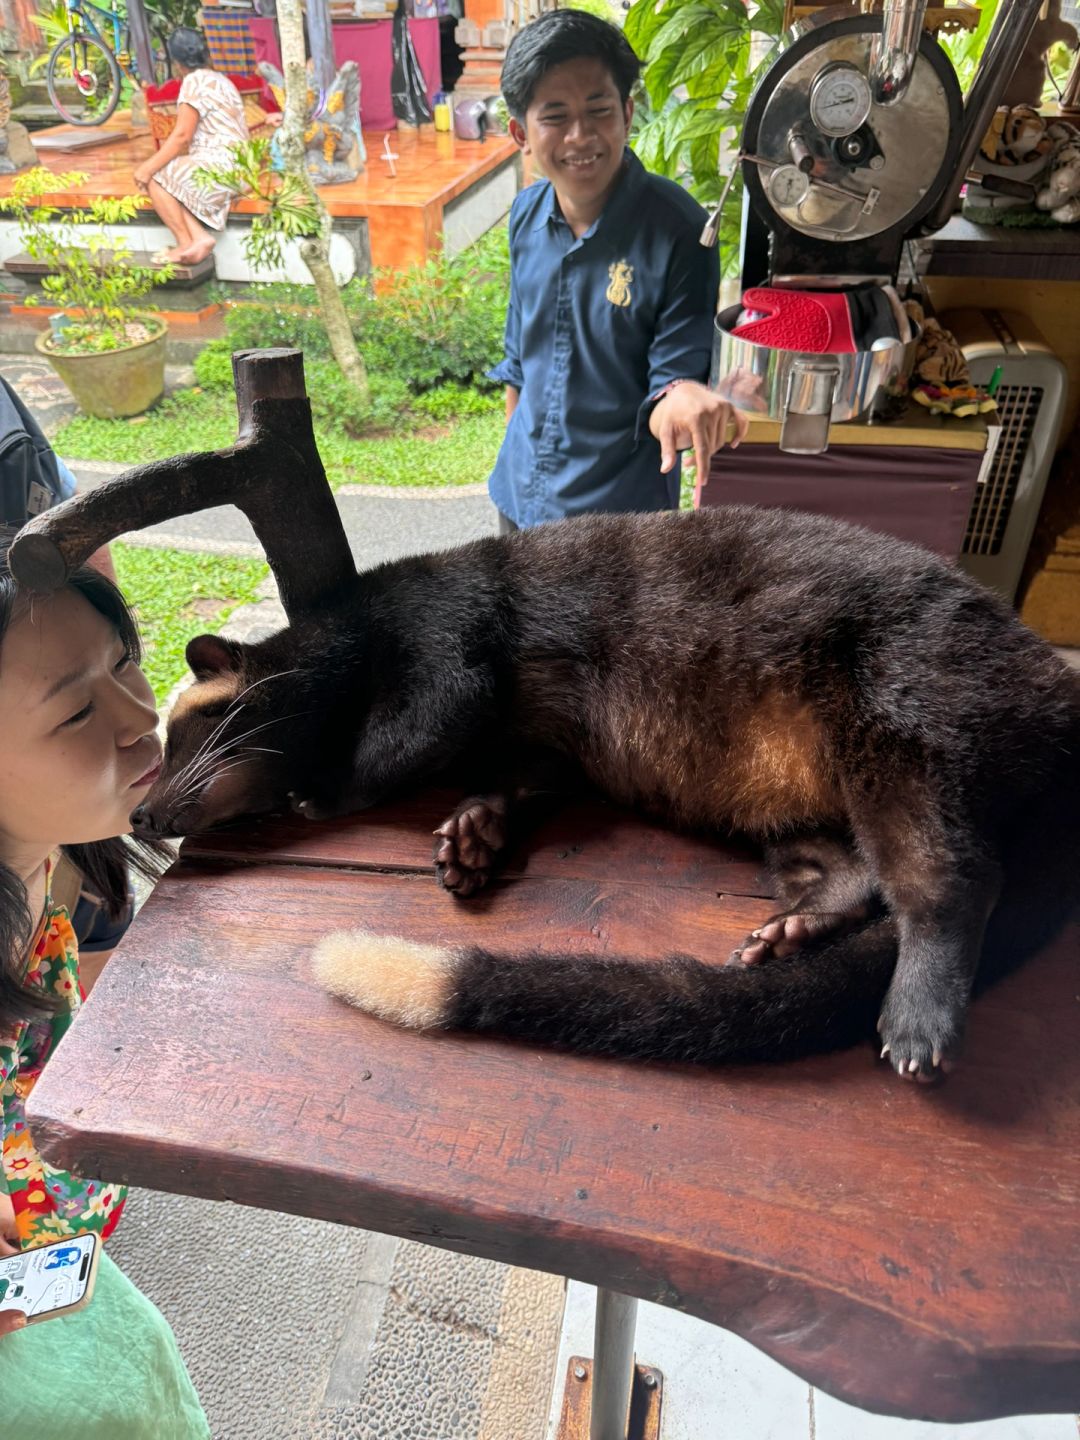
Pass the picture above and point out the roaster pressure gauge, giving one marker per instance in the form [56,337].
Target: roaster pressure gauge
[788,185]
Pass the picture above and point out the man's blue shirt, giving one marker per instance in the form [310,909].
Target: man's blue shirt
[596,326]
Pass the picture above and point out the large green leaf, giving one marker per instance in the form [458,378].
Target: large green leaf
[965,48]
[698,78]
[707,54]
[677,18]
[768,17]
[642,23]
[705,165]
[690,124]
[658,82]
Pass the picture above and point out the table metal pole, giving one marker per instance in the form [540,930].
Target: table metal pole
[613,1365]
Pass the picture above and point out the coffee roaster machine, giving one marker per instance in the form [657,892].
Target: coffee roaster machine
[856,141]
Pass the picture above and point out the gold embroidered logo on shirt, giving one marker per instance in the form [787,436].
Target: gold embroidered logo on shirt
[620,274]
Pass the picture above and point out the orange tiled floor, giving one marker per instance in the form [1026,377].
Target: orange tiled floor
[404,211]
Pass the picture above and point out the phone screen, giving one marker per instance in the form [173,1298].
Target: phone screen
[53,1277]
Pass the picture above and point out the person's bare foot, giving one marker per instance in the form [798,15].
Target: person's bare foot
[172,256]
[195,254]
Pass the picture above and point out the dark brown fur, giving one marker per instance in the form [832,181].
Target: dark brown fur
[805,681]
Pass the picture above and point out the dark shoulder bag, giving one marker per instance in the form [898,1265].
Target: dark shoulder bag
[29,479]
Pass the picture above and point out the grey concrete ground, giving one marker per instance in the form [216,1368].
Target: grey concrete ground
[294,1329]
[298,1330]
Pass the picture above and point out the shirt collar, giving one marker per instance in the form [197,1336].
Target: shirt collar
[617,208]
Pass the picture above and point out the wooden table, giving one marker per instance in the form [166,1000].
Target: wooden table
[913,1251]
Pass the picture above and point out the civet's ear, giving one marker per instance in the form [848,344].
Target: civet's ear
[211,655]
[273,474]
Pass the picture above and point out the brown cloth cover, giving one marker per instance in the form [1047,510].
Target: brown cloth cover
[915,493]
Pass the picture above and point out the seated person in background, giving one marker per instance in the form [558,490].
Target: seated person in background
[612,297]
[209,125]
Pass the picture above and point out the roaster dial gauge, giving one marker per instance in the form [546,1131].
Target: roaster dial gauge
[788,185]
[839,99]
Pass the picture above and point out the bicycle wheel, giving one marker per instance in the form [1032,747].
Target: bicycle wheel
[83,80]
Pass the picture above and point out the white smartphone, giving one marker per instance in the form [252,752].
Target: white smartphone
[54,1279]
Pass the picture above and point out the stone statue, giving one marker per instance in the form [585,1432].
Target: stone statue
[333,142]
[16,152]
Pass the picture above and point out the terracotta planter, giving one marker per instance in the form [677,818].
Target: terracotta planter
[114,383]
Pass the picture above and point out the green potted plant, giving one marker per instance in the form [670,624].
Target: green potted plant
[111,353]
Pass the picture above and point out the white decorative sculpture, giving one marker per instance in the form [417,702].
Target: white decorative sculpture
[332,140]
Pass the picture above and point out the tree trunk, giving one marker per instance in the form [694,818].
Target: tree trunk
[315,250]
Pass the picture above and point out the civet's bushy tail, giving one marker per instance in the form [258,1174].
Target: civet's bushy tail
[827,996]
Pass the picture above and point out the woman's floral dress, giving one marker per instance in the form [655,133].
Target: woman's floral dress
[48,1203]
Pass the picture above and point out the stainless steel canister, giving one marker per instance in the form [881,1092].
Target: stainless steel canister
[806,392]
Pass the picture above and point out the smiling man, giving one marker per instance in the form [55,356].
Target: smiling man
[612,298]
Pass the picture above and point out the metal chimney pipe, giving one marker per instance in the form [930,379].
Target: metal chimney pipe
[1005,44]
[895,50]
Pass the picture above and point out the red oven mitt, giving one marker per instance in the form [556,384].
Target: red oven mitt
[816,321]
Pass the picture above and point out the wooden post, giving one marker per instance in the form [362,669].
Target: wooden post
[273,474]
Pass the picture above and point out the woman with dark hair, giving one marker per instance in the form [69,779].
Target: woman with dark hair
[78,751]
[209,125]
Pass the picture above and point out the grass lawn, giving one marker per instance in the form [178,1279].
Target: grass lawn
[457,452]
[177,594]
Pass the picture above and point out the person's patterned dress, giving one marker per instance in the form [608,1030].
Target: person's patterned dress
[48,1203]
[221,128]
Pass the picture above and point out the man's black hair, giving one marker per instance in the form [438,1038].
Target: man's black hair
[553,39]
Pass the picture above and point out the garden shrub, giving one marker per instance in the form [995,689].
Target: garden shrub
[427,337]
[335,401]
[429,324]
[285,315]
[438,322]
[447,402]
[213,365]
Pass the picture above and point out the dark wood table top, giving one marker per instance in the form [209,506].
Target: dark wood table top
[913,1251]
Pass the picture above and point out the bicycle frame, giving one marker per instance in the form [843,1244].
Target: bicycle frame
[124,58]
